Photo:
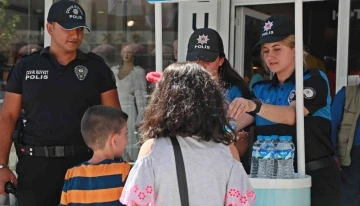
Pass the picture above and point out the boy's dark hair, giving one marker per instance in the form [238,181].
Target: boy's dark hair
[186,102]
[99,122]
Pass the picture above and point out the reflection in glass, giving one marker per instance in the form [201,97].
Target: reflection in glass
[131,87]
[21,33]
[122,33]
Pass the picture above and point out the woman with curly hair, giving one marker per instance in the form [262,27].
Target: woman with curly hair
[187,105]
[206,48]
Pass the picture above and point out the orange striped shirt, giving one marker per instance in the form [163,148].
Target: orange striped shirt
[99,184]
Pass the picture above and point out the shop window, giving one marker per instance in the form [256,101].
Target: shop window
[123,34]
[21,33]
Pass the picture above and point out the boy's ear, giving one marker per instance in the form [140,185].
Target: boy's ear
[112,139]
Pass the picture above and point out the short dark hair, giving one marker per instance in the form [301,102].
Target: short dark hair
[187,102]
[98,122]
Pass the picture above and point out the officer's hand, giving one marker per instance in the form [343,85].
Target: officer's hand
[338,163]
[239,106]
[6,175]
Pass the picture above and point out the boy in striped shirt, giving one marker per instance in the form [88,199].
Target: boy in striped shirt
[100,180]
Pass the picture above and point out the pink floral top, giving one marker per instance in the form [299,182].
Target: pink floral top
[214,177]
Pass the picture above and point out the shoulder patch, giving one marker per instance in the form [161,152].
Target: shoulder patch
[92,55]
[309,92]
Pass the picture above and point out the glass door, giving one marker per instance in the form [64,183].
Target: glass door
[247,60]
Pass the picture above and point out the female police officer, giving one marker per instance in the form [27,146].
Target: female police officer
[54,87]
[206,48]
[274,108]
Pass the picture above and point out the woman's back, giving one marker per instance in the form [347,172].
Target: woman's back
[213,175]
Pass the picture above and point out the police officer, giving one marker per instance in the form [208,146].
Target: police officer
[54,87]
[206,48]
[275,114]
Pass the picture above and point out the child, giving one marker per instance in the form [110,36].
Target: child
[187,105]
[100,180]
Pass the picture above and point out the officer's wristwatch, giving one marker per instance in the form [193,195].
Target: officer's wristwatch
[3,166]
[258,106]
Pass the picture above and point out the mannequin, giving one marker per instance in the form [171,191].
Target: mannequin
[131,86]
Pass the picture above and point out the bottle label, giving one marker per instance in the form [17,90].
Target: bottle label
[284,154]
[255,152]
[265,154]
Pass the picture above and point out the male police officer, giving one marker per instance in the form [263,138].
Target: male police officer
[54,87]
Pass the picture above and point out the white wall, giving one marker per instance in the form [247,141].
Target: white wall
[186,11]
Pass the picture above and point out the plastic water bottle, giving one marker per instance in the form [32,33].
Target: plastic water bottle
[232,124]
[266,161]
[285,158]
[275,141]
[256,156]
[291,168]
[262,160]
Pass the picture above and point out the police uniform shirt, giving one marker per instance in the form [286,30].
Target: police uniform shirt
[317,101]
[232,93]
[55,97]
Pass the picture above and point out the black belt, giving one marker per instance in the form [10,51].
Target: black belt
[318,164]
[52,151]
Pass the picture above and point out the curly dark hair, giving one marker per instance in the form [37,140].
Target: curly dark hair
[187,102]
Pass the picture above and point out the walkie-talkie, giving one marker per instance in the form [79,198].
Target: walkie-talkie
[10,188]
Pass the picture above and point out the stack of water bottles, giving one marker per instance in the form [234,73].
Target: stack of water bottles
[273,157]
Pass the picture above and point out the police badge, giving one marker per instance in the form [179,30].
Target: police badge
[292,96]
[80,72]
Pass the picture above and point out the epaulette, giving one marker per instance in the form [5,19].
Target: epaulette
[28,55]
[261,82]
[312,72]
[92,55]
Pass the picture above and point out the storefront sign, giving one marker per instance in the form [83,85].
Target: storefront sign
[355,13]
[354,16]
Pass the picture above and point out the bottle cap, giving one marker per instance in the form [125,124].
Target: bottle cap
[260,137]
[268,138]
[274,137]
[283,138]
